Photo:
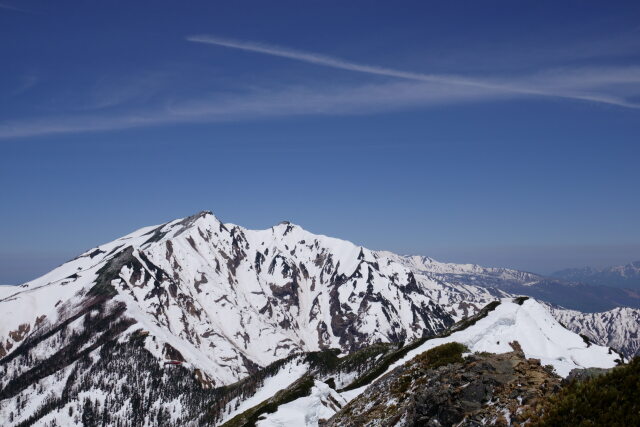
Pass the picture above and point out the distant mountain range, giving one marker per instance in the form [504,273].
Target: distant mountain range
[619,276]
[565,293]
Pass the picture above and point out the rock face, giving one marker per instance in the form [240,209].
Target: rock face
[585,374]
[483,389]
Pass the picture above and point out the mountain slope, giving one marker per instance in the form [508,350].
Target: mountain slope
[522,325]
[617,327]
[6,290]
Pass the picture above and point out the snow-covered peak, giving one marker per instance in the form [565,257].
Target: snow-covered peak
[253,295]
[538,333]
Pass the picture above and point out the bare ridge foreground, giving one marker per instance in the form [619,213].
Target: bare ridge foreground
[196,322]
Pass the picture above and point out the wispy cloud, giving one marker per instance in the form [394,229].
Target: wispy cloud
[513,86]
[255,104]
[259,104]
[616,86]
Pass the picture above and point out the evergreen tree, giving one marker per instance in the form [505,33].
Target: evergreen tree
[88,416]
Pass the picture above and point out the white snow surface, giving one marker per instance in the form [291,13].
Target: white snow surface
[305,411]
[539,334]
[6,290]
[285,377]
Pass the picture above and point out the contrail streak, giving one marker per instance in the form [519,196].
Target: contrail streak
[329,61]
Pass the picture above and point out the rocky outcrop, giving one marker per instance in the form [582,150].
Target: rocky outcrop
[585,374]
[493,389]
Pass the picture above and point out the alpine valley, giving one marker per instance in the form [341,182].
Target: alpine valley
[198,322]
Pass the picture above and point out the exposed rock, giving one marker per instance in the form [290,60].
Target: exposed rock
[493,389]
[20,333]
[584,374]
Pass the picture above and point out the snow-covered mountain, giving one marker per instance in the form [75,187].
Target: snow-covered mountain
[623,276]
[220,303]
[197,284]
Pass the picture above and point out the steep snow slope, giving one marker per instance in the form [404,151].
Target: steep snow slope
[44,299]
[7,290]
[617,328]
[321,403]
[281,380]
[539,334]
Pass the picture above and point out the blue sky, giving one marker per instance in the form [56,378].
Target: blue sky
[498,132]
